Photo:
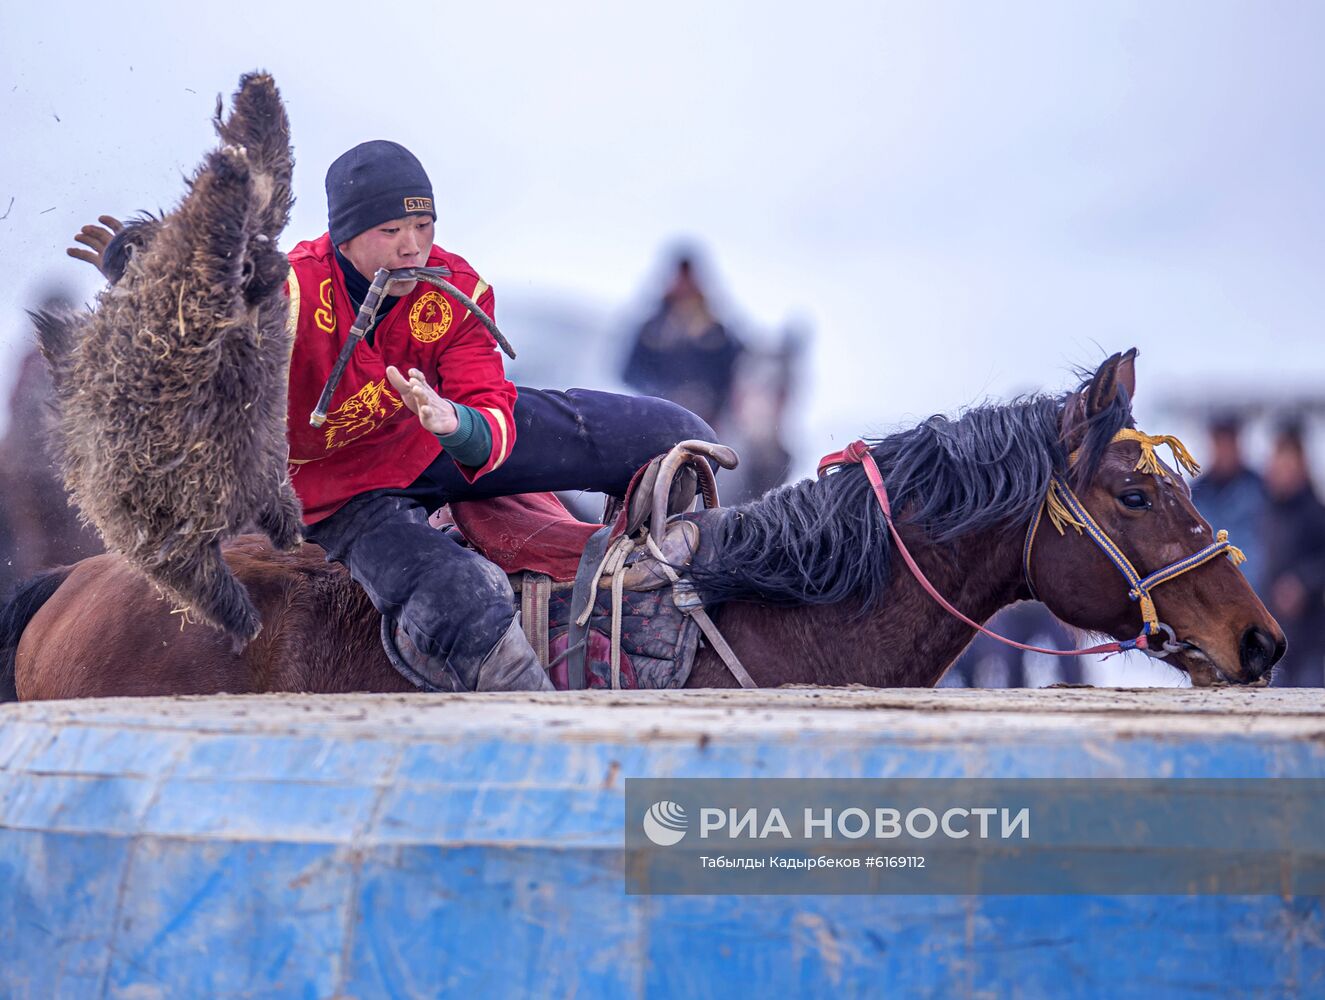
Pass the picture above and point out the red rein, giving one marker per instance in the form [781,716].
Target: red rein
[858,453]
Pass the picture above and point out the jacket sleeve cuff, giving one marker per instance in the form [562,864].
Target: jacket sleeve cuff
[471,442]
[500,428]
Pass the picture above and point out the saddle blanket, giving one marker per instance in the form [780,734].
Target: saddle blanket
[658,642]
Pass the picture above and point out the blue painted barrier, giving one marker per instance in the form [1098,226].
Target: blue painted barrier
[419,846]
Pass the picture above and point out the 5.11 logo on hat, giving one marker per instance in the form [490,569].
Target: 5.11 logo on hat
[418,205]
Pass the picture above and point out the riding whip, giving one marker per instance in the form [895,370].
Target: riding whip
[436,276]
[368,313]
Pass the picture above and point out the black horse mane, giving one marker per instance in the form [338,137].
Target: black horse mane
[821,541]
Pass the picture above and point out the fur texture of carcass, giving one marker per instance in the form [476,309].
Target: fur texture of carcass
[172,390]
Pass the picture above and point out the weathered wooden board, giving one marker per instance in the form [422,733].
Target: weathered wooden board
[416,846]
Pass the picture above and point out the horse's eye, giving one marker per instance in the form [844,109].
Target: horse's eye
[1134,500]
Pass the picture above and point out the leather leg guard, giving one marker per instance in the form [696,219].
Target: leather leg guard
[512,665]
[431,673]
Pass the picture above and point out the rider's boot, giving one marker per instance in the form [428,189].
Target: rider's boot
[431,673]
[511,664]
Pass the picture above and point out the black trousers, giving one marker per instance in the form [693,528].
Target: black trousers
[452,603]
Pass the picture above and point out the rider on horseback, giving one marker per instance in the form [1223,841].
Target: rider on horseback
[426,416]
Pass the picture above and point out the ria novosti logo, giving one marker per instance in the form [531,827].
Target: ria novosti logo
[665,823]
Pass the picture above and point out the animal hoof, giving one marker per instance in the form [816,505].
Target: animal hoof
[287,539]
[239,643]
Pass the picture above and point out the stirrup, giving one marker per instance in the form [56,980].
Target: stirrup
[669,483]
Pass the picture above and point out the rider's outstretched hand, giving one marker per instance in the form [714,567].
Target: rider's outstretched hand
[97,238]
[435,413]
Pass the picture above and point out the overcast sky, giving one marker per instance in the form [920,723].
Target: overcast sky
[960,199]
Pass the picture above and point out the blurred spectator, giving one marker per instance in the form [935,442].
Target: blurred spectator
[765,380]
[1294,537]
[1232,496]
[682,352]
[991,664]
[40,527]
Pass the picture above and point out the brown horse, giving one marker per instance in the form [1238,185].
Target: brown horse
[805,589]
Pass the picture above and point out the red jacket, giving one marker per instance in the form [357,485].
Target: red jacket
[371,440]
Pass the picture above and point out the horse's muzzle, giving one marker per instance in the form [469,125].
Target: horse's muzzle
[1259,650]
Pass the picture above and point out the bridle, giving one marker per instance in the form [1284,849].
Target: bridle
[1063,509]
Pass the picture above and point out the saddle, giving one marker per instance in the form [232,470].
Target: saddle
[603,605]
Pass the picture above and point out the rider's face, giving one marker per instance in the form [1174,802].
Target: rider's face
[401,242]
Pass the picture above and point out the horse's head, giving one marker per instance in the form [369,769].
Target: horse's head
[1221,632]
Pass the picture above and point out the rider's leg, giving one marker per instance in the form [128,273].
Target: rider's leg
[579,439]
[449,613]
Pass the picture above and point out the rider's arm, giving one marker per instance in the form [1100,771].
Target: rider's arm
[470,373]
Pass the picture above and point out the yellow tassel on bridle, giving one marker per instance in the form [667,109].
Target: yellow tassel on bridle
[1150,462]
[1235,554]
[1059,514]
[1064,508]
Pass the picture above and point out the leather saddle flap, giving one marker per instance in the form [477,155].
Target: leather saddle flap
[525,533]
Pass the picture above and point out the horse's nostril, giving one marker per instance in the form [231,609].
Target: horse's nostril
[1259,652]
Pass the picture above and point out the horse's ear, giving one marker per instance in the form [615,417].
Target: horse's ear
[1103,386]
[1127,373]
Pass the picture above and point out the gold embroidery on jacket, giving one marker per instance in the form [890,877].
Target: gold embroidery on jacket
[366,410]
[501,425]
[479,289]
[325,318]
[430,317]
[292,317]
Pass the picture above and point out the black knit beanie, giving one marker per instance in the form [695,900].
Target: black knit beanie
[373,183]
